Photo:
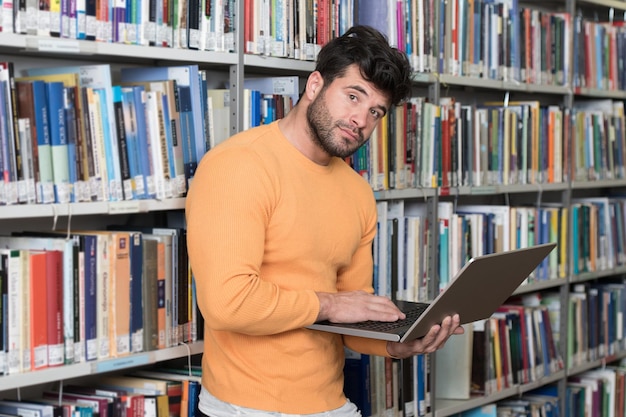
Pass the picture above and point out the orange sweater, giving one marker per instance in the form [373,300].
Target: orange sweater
[267,228]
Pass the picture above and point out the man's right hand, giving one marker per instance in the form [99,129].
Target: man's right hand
[356,306]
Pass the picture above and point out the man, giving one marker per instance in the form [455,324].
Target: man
[280,233]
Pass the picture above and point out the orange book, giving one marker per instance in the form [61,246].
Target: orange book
[161,316]
[38,311]
[120,294]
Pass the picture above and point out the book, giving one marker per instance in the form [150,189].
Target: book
[146,386]
[167,108]
[67,249]
[26,408]
[123,144]
[58,142]
[288,86]
[187,79]
[26,111]
[136,137]
[453,367]
[219,115]
[97,77]
[38,310]
[357,380]
[12,158]
[54,306]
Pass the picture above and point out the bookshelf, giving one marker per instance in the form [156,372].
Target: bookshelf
[232,67]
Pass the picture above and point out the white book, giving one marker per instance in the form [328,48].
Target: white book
[219,115]
[502,218]
[15,317]
[157,186]
[283,85]
[453,366]
[98,183]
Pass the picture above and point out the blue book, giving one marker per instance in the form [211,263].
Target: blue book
[488,410]
[26,409]
[168,160]
[90,245]
[144,155]
[58,142]
[136,288]
[202,81]
[184,75]
[420,384]
[187,129]
[545,349]
[45,188]
[193,398]
[255,108]
[357,381]
[132,142]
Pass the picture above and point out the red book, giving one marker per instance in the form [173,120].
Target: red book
[38,310]
[54,289]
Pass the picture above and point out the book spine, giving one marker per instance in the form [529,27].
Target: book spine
[58,142]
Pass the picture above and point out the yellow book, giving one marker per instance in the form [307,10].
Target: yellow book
[563,238]
[497,353]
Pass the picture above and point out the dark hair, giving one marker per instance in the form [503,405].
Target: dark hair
[386,67]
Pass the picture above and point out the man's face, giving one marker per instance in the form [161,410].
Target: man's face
[343,114]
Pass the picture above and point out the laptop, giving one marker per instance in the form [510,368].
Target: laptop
[478,289]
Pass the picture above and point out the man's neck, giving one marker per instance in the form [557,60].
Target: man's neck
[297,131]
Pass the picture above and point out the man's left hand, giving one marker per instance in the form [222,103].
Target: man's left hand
[432,341]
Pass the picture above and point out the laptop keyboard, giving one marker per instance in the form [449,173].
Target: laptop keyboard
[391,326]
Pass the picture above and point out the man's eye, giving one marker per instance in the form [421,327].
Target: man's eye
[352,97]
[375,114]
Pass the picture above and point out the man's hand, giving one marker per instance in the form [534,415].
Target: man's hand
[434,339]
[356,306]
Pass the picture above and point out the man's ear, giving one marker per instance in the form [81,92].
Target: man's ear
[314,84]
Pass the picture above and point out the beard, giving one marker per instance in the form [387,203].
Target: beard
[326,132]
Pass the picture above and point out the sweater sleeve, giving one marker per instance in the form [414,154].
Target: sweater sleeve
[359,277]
[228,208]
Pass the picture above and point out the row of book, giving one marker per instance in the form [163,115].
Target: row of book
[599,235]
[92,295]
[601,49]
[70,135]
[503,41]
[454,144]
[540,402]
[193,24]
[382,386]
[595,327]
[149,392]
[518,345]
[493,40]
[401,263]
[593,393]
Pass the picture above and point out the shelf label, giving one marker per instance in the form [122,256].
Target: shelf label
[122,363]
[124,207]
[483,190]
[64,46]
